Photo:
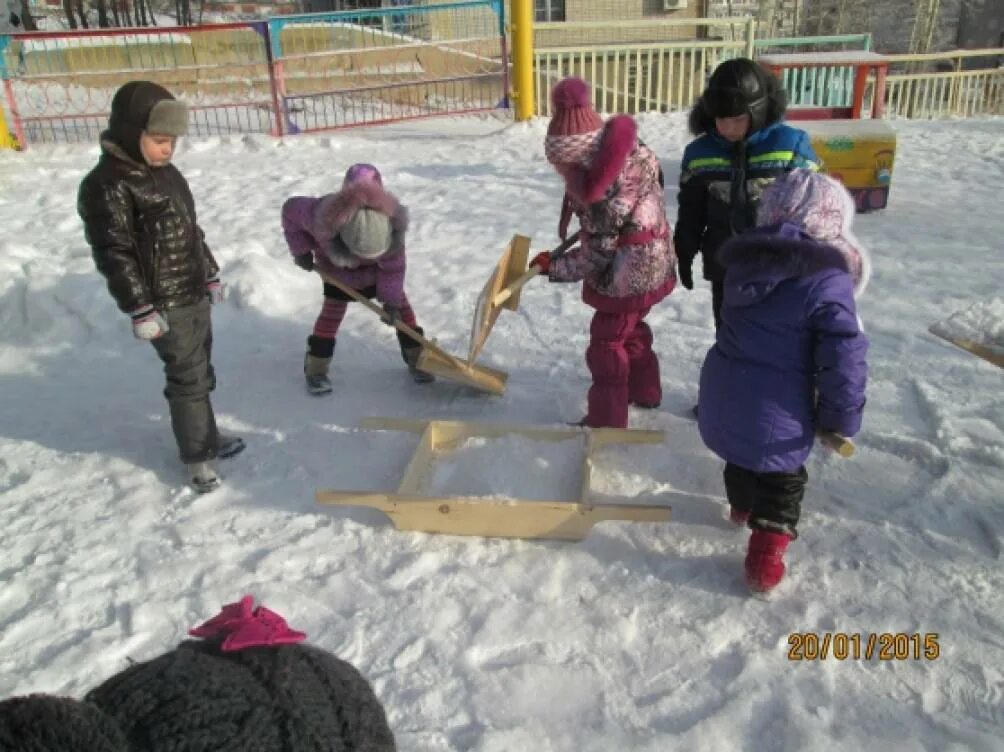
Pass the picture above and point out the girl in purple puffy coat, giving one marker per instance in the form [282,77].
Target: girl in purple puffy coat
[613,184]
[357,237]
[789,359]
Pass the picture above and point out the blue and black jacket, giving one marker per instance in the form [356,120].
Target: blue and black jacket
[721,183]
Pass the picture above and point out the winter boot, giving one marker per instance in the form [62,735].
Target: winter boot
[203,477]
[316,362]
[228,446]
[765,559]
[410,350]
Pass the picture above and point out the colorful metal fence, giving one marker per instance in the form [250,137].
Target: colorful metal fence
[59,85]
[373,66]
[972,86]
[286,75]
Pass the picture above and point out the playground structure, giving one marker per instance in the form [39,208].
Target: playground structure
[856,150]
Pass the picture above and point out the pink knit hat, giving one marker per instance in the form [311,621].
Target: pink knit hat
[822,208]
[575,126]
[362,172]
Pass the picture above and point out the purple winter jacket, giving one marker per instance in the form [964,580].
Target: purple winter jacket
[790,354]
[311,225]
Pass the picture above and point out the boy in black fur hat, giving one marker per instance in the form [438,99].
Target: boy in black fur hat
[139,219]
[742,145]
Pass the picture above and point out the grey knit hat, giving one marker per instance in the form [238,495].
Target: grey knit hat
[43,723]
[286,698]
[367,233]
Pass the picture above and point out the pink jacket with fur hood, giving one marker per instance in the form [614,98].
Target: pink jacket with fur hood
[626,258]
[311,225]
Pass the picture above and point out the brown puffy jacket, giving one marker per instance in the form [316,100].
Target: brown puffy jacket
[140,222]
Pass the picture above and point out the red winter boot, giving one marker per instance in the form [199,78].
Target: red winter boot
[765,560]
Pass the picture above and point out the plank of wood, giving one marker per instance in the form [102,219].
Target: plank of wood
[478,377]
[492,518]
[486,310]
[839,444]
[975,348]
[466,429]
[420,463]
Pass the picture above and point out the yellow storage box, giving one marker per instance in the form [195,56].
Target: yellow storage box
[859,153]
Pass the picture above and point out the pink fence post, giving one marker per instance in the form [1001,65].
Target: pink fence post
[19,133]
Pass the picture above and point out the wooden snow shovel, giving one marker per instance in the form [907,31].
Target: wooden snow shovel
[432,358]
[502,288]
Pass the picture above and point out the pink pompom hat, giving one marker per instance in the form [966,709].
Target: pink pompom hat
[575,126]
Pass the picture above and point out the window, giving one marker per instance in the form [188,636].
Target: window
[548,10]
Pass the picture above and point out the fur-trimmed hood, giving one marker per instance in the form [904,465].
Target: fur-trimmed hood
[336,209]
[758,261]
[588,184]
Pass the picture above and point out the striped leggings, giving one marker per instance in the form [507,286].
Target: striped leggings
[333,311]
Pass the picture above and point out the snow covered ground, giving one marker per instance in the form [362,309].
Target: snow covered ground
[641,637]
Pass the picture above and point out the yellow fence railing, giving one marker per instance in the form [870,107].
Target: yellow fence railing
[960,91]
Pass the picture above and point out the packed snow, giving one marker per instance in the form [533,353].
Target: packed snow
[641,637]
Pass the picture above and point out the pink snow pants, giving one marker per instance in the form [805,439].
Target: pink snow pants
[623,365]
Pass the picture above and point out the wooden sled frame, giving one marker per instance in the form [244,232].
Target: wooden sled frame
[432,358]
[508,518]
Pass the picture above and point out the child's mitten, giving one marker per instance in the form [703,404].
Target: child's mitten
[147,323]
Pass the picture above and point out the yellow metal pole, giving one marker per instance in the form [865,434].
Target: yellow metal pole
[522,58]
[7,140]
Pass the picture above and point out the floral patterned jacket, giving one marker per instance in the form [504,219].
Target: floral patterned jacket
[625,257]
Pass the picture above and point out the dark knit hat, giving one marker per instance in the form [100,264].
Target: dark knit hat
[575,126]
[43,723]
[228,694]
[144,106]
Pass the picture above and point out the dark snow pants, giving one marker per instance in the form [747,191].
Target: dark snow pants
[185,351]
[774,500]
[624,367]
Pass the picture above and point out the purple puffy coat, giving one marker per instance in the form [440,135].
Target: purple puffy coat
[790,354]
[311,225]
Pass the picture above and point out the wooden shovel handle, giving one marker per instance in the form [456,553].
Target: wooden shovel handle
[399,325]
[839,444]
[517,284]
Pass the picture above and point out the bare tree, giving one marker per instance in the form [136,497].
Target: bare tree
[68,10]
[102,8]
[81,13]
[27,20]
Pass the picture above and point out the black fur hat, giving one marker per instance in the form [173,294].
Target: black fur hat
[737,87]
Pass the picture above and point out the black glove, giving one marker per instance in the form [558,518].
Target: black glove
[391,315]
[305,261]
[686,273]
